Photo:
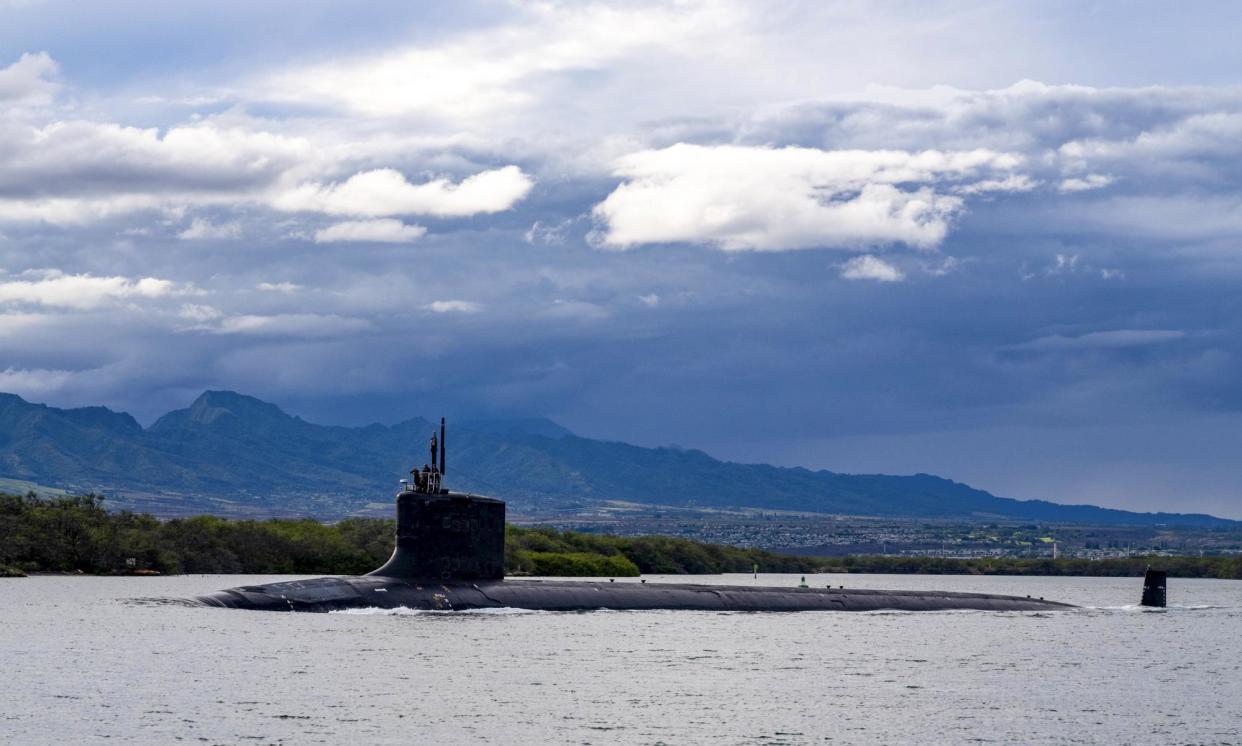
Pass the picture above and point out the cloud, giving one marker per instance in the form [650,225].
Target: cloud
[943,267]
[1067,122]
[55,288]
[76,172]
[386,192]
[774,199]
[574,310]
[199,312]
[305,325]
[1011,184]
[494,70]
[1175,143]
[553,235]
[33,382]
[383,231]
[1066,265]
[74,211]
[29,80]
[454,306]
[278,287]
[85,158]
[201,228]
[1113,339]
[1161,218]
[15,323]
[868,267]
[1085,183]
[1161,151]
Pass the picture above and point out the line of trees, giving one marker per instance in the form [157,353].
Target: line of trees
[76,534]
[546,551]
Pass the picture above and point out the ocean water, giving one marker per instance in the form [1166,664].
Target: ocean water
[121,660]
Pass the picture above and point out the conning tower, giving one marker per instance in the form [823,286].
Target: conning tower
[444,535]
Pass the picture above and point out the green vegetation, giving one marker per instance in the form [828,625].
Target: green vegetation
[76,534]
[545,551]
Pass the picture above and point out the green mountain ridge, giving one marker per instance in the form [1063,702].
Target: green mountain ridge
[227,446]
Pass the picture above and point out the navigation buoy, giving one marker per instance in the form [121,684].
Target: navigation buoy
[1155,584]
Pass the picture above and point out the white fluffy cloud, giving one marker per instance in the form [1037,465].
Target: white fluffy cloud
[55,288]
[386,192]
[772,199]
[29,80]
[386,230]
[868,267]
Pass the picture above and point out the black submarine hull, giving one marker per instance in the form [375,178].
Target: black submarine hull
[337,594]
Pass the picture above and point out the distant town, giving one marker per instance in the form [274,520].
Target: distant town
[820,535]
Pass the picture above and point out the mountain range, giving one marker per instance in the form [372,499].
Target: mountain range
[237,455]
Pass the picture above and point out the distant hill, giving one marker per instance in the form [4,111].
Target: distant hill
[234,454]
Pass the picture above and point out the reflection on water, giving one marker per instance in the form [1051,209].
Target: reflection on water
[129,659]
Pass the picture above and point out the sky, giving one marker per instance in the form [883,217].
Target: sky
[999,242]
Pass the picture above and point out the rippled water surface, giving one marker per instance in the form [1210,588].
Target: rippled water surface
[119,660]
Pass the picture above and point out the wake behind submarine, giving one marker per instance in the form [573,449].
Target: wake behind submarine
[449,556]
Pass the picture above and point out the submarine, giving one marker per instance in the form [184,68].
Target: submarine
[449,556]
